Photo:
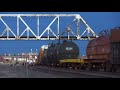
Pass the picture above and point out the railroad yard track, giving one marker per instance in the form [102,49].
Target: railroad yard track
[90,74]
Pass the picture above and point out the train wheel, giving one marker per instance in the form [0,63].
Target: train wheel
[79,67]
[89,66]
[118,68]
[115,68]
[73,66]
[108,67]
[63,65]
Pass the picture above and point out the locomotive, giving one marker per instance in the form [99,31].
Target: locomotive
[57,53]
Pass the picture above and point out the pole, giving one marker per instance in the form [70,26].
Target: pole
[26,65]
[5,57]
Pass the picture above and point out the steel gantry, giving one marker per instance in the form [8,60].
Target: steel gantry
[41,36]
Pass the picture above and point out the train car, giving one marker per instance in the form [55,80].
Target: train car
[104,51]
[63,54]
[42,54]
[115,48]
[99,50]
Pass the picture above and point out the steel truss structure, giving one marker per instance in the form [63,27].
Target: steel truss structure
[38,36]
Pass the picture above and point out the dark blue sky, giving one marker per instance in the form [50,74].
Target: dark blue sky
[98,21]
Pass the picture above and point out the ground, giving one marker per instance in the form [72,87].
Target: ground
[7,71]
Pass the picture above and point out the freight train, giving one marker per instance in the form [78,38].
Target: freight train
[104,51]
[63,54]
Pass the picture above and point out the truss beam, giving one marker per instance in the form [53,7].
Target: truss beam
[39,35]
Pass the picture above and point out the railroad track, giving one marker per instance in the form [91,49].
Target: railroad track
[77,72]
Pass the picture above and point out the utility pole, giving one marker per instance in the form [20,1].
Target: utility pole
[26,65]
[5,57]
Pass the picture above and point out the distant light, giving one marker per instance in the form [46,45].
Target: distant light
[23,53]
[14,58]
[36,50]
[9,54]
[31,50]
[35,57]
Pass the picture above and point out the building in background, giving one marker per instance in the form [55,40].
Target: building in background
[19,58]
